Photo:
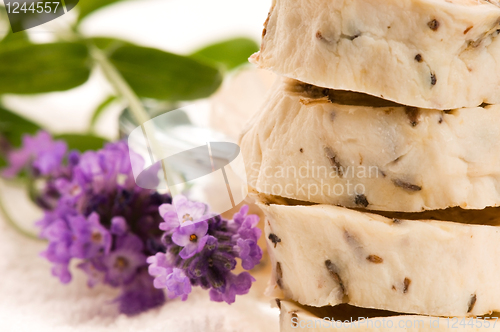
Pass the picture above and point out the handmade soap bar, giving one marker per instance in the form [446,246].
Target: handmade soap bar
[351,149]
[438,54]
[345,318]
[327,255]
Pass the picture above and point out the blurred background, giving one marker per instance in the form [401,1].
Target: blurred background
[75,77]
[176,26]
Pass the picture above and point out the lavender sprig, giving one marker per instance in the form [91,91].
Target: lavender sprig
[205,253]
[95,213]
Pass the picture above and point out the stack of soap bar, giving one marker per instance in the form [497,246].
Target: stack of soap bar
[376,160]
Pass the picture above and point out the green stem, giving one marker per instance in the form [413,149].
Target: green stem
[123,89]
[14,225]
[120,85]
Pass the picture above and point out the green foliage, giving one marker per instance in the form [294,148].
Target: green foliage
[82,142]
[13,40]
[30,68]
[152,73]
[230,53]
[13,126]
[3,162]
[27,68]
[100,109]
[107,44]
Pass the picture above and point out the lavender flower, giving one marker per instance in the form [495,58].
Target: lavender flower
[89,237]
[178,284]
[40,153]
[96,214]
[246,238]
[181,212]
[205,253]
[161,266]
[122,264]
[235,285]
[192,238]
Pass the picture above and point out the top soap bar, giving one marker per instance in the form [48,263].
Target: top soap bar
[439,54]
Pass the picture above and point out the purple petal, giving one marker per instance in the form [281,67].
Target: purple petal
[201,243]
[169,215]
[178,284]
[235,285]
[201,229]
[62,272]
[212,242]
[181,235]
[188,211]
[166,208]
[160,264]
[242,283]
[189,251]
[160,281]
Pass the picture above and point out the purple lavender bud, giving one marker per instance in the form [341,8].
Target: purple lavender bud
[197,267]
[223,260]
[118,226]
[217,279]
[73,158]
[212,243]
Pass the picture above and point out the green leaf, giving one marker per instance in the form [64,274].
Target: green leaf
[230,53]
[87,7]
[152,73]
[12,40]
[98,111]
[3,162]
[40,68]
[107,44]
[13,126]
[82,142]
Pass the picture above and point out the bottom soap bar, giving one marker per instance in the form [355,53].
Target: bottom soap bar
[326,255]
[294,317]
